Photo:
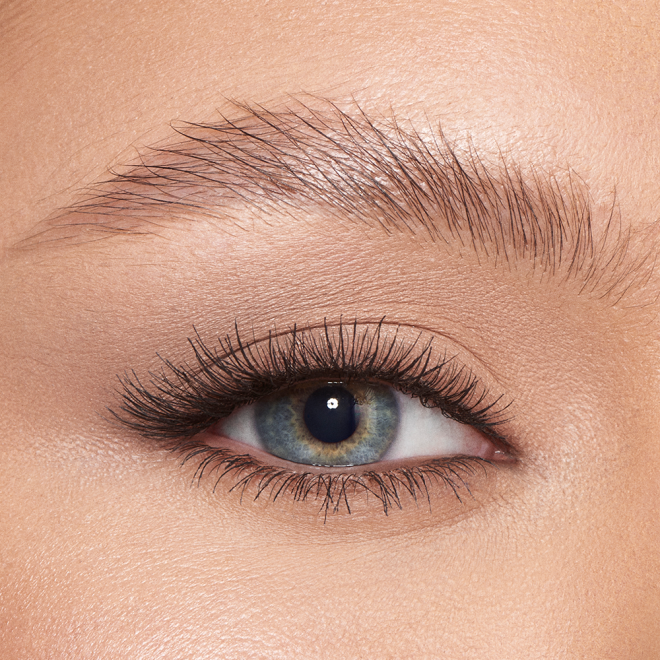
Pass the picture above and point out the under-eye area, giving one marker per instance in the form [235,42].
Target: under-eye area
[325,415]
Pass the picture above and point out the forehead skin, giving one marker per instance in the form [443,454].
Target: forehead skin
[570,571]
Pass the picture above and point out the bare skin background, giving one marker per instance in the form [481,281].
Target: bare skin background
[110,552]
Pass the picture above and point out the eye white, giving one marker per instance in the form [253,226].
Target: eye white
[427,432]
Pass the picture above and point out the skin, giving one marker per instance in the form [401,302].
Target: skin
[107,550]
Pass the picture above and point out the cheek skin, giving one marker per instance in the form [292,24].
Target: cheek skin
[197,581]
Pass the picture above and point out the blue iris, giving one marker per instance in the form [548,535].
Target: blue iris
[329,423]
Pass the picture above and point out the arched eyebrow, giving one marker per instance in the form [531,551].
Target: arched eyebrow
[331,162]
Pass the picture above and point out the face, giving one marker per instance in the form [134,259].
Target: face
[329,330]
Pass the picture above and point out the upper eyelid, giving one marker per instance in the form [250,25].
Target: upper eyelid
[379,171]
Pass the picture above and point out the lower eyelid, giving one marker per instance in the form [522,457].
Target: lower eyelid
[229,447]
[452,486]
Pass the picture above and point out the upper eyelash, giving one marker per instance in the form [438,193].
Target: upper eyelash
[182,401]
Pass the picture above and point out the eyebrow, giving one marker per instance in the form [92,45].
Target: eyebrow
[348,165]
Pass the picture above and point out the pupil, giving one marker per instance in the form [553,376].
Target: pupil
[330,414]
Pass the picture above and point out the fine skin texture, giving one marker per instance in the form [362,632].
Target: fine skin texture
[110,548]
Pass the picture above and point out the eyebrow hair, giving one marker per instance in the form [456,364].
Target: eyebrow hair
[348,165]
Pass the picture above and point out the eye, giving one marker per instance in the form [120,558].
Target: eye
[330,413]
[345,423]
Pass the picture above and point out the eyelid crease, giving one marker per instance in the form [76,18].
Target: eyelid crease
[381,323]
[384,172]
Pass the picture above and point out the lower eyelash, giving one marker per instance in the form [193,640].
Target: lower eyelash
[334,491]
